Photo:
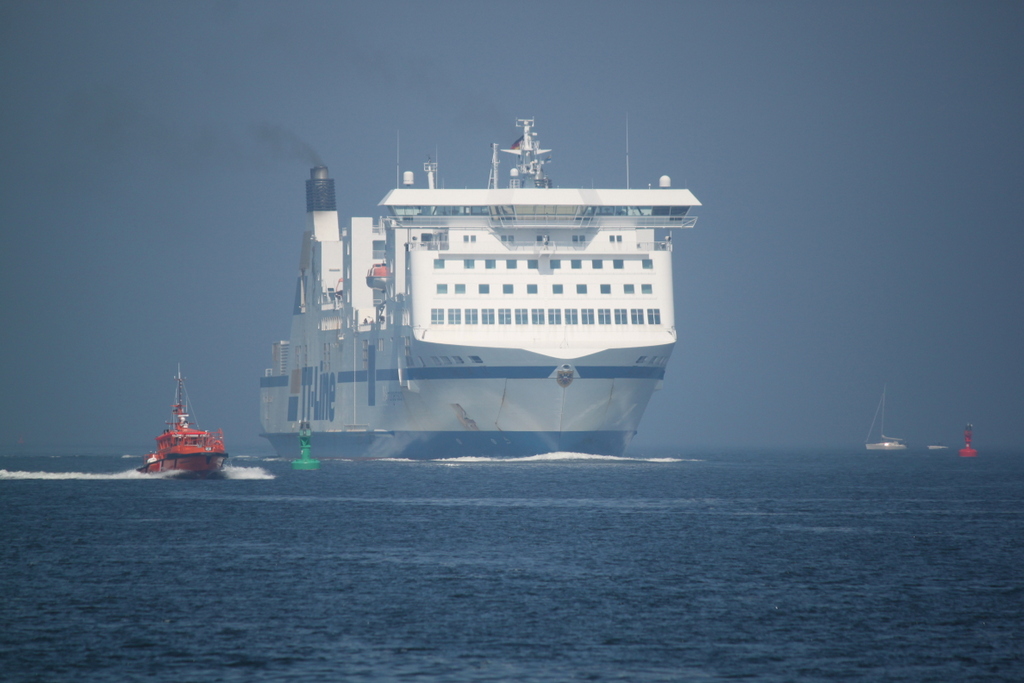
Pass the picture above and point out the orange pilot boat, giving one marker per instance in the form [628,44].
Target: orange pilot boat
[184,449]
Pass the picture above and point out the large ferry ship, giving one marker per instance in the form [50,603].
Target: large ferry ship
[505,321]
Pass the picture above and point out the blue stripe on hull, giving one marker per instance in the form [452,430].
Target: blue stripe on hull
[433,445]
[475,372]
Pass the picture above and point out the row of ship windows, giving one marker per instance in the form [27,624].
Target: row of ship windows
[550,316]
[513,264]
[555,289]
[543,239]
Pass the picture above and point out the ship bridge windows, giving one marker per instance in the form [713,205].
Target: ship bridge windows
[546,210]
[679,211]
[439,210]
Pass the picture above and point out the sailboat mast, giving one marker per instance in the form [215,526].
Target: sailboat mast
[883,413]
[878,408]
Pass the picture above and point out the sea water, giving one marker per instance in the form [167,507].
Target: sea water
[696,566]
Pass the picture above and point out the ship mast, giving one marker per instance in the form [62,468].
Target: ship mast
[492,180]
[529,152]
[431,170]
[180,408]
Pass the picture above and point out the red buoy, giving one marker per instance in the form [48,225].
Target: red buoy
[967,451]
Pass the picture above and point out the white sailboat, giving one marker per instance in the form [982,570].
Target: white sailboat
[887,443]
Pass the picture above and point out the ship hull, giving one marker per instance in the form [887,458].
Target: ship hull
[186,465]
[525,404]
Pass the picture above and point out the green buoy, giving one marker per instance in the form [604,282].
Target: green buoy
[305,462]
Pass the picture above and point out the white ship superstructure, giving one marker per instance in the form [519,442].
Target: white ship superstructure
[500,321]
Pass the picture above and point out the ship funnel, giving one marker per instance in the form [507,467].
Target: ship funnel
[320,191]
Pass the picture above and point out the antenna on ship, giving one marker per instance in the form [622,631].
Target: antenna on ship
[530,162]
[627,150]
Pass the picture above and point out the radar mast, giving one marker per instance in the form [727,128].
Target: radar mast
[531,163]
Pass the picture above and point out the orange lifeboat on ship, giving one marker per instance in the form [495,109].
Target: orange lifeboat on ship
[379,276]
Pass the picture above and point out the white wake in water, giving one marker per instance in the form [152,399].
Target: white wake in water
[130,474]
[229,472]
[233,472]
[557,456]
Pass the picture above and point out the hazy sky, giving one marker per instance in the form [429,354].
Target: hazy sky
[861,167]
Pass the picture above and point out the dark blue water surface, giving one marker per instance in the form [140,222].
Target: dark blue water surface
[705,567]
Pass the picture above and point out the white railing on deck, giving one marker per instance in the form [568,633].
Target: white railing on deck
[554,221]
